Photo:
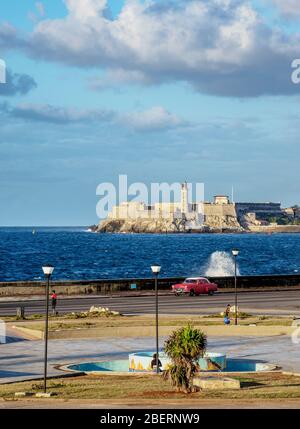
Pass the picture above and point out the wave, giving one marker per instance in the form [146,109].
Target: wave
[220,264]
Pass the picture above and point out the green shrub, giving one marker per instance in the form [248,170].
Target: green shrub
[184,347]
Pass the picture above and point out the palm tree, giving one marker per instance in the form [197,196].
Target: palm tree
[184,347]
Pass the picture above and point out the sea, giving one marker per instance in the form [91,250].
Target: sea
[77,253]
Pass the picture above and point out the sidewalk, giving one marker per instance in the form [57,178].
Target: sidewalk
[151,404]
[21,359]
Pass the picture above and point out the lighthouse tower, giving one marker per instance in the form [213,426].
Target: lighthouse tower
[184,198]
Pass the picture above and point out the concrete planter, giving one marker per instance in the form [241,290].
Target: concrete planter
[216,383]
[141,362]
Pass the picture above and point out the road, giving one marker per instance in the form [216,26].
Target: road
[267,303]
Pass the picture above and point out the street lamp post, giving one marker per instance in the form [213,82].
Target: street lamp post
[235,253]
[155,270]
[48,270]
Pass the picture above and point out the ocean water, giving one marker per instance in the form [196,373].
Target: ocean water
[79,254]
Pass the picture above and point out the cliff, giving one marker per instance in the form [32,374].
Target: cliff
[163,226]
[138,226]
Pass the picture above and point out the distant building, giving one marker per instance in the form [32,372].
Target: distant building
[219,214]
[296,212]
[261,210]
[221,199]
[292,212]
[184,198]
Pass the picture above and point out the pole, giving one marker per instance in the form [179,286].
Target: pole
[46,334]
[156,311]
[235,289]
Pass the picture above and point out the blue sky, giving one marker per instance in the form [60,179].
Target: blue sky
[162,91]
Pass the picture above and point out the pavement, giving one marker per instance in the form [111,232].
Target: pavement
[279,303]
[21,359]
[224,404]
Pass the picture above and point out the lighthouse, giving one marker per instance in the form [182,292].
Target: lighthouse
[184,198]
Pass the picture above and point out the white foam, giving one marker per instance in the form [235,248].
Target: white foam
[220,264]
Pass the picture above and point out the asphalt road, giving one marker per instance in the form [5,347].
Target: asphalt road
[268,303]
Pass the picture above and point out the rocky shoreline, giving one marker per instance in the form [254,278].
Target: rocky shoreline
[157,226]
[162,226]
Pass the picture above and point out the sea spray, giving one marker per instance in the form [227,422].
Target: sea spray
[220,264]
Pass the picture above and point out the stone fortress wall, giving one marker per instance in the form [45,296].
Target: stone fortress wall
[220,215]
[186,216]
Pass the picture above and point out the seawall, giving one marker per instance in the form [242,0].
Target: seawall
[269,229]
[133,286]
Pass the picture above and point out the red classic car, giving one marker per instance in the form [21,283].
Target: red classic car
[195,286]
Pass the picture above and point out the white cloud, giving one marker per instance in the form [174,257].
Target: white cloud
[154,119]
[39,14]
[116,78]
[86,9]
[41,8]
[221,47]
[288,8]
[8,36]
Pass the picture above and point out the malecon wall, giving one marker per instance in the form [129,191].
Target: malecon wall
[117,286]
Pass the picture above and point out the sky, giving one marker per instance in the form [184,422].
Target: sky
[163,91]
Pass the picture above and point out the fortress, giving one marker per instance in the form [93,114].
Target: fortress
[184,216]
